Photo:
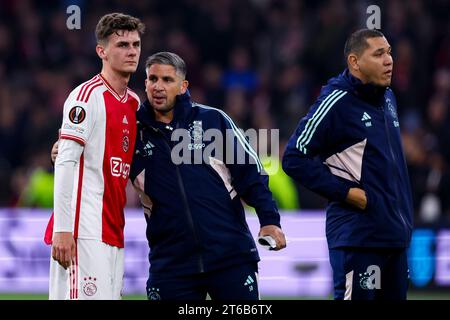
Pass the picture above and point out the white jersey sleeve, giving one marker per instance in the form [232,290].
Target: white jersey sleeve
[79,117]
[69,153]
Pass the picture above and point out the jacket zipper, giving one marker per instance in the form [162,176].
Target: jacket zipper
[394,162]
[186,204]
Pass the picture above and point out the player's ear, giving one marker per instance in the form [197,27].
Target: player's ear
[184,86]
[100,51]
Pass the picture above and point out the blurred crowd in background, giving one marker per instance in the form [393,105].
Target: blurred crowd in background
[262,61]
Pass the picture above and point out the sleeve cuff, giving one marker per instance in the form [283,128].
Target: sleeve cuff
[73,138]
[272,220]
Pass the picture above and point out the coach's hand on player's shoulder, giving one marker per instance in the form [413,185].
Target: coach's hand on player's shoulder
[357,198]
[54,152]
[276,233]
[63,248]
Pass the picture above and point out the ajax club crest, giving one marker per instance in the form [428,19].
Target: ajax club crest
[125,143]
[393,112]
[196,133]
[89,286]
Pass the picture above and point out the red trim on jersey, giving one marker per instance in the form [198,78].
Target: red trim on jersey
[76,270]
[83,86]
[111,89]
[71,280]
[91,89]
[88,88]
[74,138]
[80,185]
[74,274]
[87,83]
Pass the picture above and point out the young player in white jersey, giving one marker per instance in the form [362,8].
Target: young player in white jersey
[91,170]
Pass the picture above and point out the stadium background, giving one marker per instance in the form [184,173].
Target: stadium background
[263,62]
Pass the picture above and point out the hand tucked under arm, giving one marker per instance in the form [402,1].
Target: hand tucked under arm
[357,198]
[54,152]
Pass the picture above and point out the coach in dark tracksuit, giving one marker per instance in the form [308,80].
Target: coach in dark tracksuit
[348,149]
[196,229]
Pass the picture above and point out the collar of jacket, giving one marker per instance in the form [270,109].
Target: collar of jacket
[146,114]
[367,92]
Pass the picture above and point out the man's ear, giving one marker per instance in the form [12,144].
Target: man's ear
[100,51]
[184,86]
[352,61]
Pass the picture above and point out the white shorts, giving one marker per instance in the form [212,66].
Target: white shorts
[96,275]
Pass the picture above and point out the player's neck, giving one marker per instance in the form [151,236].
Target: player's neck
[118,82]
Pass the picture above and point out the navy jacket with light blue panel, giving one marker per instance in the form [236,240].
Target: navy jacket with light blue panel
[351,138]
[195,220]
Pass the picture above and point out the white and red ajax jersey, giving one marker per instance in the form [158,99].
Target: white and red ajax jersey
[105,123]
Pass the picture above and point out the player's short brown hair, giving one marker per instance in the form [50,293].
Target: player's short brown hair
[113,22]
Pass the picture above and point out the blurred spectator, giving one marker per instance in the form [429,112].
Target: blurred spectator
[240,73]
[212,84]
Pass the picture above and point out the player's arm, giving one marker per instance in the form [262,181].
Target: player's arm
[79,118]
[314,134]
[251,183]
[63,247]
